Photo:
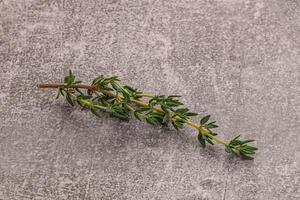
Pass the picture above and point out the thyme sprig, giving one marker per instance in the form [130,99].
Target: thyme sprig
[124,102]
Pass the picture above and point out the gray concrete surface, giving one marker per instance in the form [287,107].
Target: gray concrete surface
[235,59]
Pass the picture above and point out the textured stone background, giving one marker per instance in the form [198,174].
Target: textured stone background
[236,59]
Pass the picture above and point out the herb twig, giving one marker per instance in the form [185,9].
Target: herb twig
[124,102]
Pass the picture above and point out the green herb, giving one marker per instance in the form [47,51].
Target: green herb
[124,102]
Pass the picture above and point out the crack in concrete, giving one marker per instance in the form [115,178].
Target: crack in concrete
[226,182]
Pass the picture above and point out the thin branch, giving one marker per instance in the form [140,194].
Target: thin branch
[117,99]
[58,85]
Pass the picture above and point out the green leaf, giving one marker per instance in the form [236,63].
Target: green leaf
[129,88]
[211,125]
[69,79]
[58,94]
[174,125]
[115,86]
[95,112]
[61,91]
[165,119]
[246,157]
[165,108]
[69,100]
[236,138]
[151,121]
[126,96]
[181,110]
[204,119]
[251,148]
[201,140]
[190,114]
[247,141]
[118,110]
[228,149]
[208,140]
[136,114]
[177,123]
[79,91]
[97,80]
[120,116]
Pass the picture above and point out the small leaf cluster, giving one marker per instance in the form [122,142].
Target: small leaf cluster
[167,103]
[104,83]
[208,125]
[151,116]
[119,110]
[112,84]
[94,103]
[240,148]
[69,79]
[173,109]
[68,91]
[206,133]
[155,118]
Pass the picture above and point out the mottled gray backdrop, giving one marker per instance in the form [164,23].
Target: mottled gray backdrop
[238,60]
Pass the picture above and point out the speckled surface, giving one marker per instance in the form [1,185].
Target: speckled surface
[236,59]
